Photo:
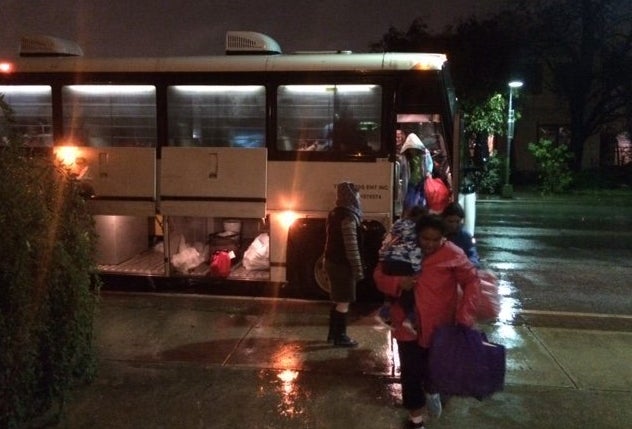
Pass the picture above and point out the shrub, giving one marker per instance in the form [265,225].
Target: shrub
[485,119]
[552,164]
[489,178]
[48,286]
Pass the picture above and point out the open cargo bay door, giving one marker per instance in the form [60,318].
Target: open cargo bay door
[121,180]
[213,182]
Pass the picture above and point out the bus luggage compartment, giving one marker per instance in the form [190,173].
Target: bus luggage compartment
[305,246]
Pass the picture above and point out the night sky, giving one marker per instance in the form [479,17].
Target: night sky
[197,27]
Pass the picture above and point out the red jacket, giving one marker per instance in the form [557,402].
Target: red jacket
[437,300]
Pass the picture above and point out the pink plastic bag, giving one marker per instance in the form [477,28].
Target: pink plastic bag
[488,307]
[437,194]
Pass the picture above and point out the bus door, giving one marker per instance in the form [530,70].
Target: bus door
[424,131]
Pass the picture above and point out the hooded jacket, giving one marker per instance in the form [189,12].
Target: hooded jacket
[344,230]
[436,291]
[417,166]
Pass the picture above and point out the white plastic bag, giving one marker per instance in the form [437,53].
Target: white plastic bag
[257,256]
[187,258]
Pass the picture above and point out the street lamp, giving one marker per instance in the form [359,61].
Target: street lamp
[511,119]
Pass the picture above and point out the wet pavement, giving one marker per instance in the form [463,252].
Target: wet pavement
[569,254]
[198,361]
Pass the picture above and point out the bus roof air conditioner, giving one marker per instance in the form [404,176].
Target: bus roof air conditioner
[249,43]
[48,46]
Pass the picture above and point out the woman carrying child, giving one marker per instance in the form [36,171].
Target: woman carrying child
[444,268]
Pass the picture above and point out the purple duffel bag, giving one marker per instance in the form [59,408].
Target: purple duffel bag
[462,362]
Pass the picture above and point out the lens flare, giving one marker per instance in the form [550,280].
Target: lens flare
[287,218]
[67,155]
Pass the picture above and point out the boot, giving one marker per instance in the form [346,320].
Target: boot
[340,337]
[332,327]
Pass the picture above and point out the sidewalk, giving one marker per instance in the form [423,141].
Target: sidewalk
[621,197]
[190,361]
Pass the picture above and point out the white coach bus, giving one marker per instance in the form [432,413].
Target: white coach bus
[186,156]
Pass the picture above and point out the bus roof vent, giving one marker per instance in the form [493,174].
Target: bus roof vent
[48,46]
[249,42]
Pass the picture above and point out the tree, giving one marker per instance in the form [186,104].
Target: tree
[482,54]
[415,39]
[486,54]
[489,118]
[47,282]
[585,47]
[579,50]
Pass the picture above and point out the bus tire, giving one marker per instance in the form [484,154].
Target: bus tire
[306,241]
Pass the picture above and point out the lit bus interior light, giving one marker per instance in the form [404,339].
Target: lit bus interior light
[322,89]
[287,218]
[209,89]
[112,89]
[354,88]
[25,89]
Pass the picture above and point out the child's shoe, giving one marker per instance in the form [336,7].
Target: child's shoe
[433,405]
[383,317]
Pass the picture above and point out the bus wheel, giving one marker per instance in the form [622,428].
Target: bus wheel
[320,275]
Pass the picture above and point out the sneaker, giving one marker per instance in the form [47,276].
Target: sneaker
[433,405]
[383,317]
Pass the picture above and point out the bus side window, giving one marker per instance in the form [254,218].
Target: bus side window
[329,117]
[217,115]
[110,115]
[32,112]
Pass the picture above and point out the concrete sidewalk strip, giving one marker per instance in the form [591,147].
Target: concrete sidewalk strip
[528,360]
[298,341]
[600,360]
[150,334]
[539,407]
[173,330]
[183,396]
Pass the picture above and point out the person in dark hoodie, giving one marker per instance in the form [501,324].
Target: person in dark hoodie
[343,262]
[453,217]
